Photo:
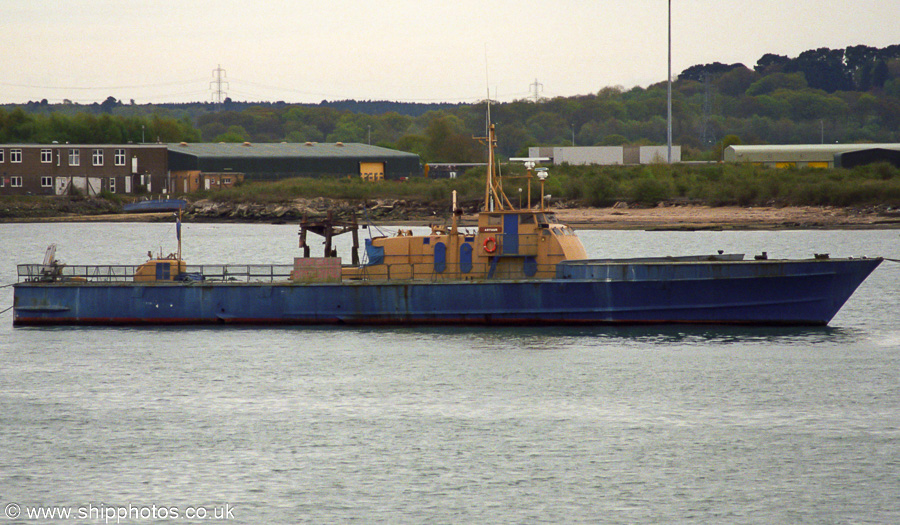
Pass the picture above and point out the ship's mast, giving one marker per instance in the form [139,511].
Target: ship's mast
[489,134]
[489,186]
[494,188]
[494,197]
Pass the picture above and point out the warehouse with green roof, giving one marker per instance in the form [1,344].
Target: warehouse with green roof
[814,155]
[273,161]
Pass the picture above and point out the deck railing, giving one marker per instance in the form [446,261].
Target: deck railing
[125,273]
[92,273]
[424,271]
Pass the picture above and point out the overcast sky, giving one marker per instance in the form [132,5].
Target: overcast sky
[408,50]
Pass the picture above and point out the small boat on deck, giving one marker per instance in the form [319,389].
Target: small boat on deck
[155,206]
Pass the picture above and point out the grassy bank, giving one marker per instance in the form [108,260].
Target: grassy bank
[418,190]
[589,186]
[713,185]
[36,206]
[730,184]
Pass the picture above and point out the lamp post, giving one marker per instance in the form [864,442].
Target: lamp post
[542,176]
[669,92]
[529,165]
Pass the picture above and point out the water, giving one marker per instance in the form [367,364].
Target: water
[451,425]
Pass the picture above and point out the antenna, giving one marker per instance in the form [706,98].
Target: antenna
[487,85]
[487,124]
[488,132]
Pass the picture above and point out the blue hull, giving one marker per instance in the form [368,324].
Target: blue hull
[808,292]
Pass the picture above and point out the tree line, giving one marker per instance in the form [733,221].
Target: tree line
[18,126]
[822,95]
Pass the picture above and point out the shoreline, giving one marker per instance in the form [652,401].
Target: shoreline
[729,217]
[676,218]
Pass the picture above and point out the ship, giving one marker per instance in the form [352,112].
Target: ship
[518,266]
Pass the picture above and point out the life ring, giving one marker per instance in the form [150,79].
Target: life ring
[490,245]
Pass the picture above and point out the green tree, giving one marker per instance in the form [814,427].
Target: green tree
[727,140]
[775,81]
[735,82]
[880,74]
[613,140]
[447,141]
[234,134]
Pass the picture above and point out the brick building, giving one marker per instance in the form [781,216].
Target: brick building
[58,169]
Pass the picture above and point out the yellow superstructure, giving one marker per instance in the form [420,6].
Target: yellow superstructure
[512,244]
[160,270]
[508,243]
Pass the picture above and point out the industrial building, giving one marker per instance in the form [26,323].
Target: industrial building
[55,169]
[814,155]
[273,161]
[606,155]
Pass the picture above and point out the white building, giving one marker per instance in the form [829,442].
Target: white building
[606,155]
[797,155]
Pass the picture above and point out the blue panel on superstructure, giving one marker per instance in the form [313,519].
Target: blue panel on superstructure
[465,258]
[530,266]
[374,254]
[440,257]
[510,234]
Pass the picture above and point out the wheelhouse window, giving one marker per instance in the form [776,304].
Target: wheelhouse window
[97,157]
[74,157]
[15,155]
[120,157]
[46,182]
[46,156]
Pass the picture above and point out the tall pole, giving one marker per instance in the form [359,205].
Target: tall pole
[669,94]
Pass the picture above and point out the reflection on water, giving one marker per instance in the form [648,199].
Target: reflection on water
[552,336]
